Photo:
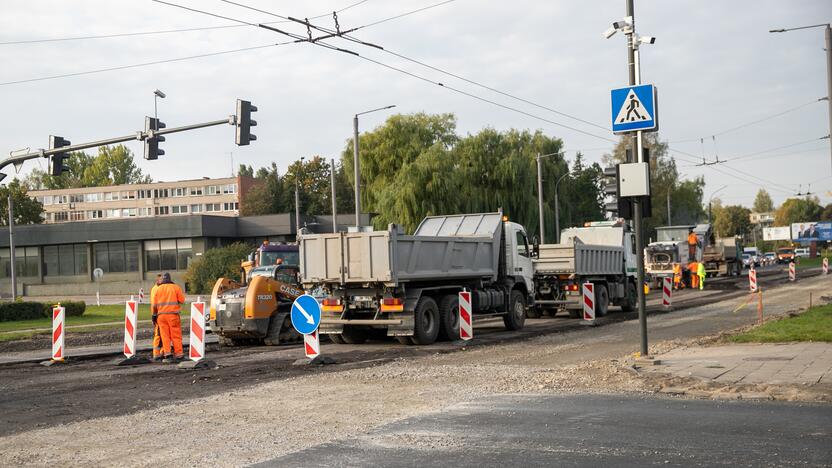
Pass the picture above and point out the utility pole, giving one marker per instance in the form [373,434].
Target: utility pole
[669,219]
[557,208]
[332,186]
[297,198]
[356,170]
[540,197]
[11,247]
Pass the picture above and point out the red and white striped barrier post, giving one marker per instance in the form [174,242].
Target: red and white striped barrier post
[130,324]
[589,302]
[466,327]
[196,345]
[141,295]
[825,266]
[58,331]
[312,344]
[667,293]
[792,272]
[752,280]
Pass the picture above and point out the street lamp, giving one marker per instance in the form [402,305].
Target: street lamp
[828,35]
[355,162]
[710,217]
[297,196]
[156,95]
[557,208]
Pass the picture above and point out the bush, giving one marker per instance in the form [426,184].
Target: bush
[221,262]
[10,311]
[73,309]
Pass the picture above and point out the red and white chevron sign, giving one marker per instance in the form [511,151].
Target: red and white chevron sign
[792,272]
[825,266]
[130,323]
[589,301]
[466,327]
[58,315]
[196,348]
[667,292]
[752,280]
[312,344]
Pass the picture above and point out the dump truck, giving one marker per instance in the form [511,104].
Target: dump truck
[406,286]
[723,257]
[602,253]
[671,247]
[256,309]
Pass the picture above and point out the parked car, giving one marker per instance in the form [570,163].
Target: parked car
[785,254]
[804,252]
[770,258]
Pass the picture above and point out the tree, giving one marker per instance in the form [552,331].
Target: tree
[267,196]
[315,191]
[220,262]
[114,165]
[826,214]
[762,202]
[732,220]
[245,171]
[797,210]
[27,210]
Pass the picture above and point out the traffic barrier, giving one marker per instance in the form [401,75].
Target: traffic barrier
[58,329]
[196,348]
[312,344]
[752,280]
[792,272]
[589,302]
[466,328]
[130,324]
[141,295]
[667,293]
[825,266]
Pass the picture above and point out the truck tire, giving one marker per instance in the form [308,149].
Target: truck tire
[602,300]
[515,317]
[354,334]
[630,297]
[336,338]
[426,322]
[449,317]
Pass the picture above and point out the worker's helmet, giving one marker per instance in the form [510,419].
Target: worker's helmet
[166,277]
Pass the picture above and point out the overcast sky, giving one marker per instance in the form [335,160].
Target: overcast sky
[715,64]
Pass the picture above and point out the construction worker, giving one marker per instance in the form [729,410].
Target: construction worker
[169,299]
[694,279]
[677,276]
[700,271]
[157,337]
[692,242]
[278,261]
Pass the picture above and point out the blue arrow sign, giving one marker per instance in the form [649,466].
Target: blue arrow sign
[634,108]
[306,314]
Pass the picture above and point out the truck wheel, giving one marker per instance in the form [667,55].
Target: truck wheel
[602,300]
[449,317]
[515,318]
[336,338]
[354,334]
[630,298]
[426,327]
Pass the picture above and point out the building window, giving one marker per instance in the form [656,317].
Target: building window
[76,198]
[213,207]
[196,208]
[117,257]
[195,191]
[179,209]
[230,188]
[230,206]
[60,216]
[151,255]
[212,189]
[113,213]
[77,215]
[26,260]
[168,254]
[145,211]
[47,200]
[65,260]
[160,193]
[146,193]
[184,253]
[179,192]
[162,210]
[130,195]
[128,212]
[92,197]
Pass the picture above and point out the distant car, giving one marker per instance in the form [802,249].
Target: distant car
[747,261]
[801,252]
[770,258]
[785,254]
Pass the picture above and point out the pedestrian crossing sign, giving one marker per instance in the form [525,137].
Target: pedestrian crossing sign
[634,108]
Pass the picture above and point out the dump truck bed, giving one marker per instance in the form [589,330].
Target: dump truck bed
[579,259]
[447,247]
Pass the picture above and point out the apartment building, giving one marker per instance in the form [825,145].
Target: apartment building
[218,197]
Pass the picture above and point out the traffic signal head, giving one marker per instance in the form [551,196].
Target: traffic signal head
[244,123]
[57,162]
[151,143]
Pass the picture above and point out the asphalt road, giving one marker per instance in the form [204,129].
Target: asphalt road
[589,430]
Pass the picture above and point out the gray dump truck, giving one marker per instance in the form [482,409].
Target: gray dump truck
[407,286]
[723,257]
[602,253]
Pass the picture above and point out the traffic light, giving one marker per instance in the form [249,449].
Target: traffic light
[151,144]
[244,123]
[622,206]
[57,165]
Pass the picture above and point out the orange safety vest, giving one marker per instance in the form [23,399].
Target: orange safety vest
[168,299]
[153,294]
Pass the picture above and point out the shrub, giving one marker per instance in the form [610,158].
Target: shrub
[73,309]
[221,262]
[21,310]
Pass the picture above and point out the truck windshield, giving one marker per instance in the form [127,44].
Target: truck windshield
[270,258]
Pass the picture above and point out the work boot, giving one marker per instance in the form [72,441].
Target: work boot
[156,359]
[168,360]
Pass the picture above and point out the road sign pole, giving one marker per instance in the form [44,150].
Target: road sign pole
[13,274]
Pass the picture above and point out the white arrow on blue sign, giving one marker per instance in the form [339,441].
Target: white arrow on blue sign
[634,108]
[306,314]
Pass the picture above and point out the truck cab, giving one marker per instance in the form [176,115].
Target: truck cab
[519,261]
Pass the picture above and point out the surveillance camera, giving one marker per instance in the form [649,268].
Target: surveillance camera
[624,23]
[647,39]
[610,32]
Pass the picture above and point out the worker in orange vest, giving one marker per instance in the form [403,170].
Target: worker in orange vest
[157,337]
[166,309]
[694,279]
[692,242]
[677,276]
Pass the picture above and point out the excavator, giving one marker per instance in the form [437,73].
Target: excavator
[257,309]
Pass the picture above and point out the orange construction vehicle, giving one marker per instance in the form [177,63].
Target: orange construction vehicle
[256,309]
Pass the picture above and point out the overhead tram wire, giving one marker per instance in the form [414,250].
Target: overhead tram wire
[163,31]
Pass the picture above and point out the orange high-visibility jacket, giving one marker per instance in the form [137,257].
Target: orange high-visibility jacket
[168,299]
[692,239]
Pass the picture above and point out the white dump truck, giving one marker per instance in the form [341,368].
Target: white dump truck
[602,253]
[671,247]
[407,286]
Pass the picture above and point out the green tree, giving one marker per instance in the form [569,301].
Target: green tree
[732,220]
[27,210]
[221,262]
[267,196]
[245,171]
[762,202]
[114,165]
[826,214]
[796,210]
[314,185]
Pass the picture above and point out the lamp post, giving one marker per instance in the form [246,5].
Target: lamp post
[332,188]
[355,161]
[540,193]
[710,216]
[557,208]
[828,36]
[297,197]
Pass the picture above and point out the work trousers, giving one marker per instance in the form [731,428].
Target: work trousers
[701,281]
[157,342]
[694,281]
[170,327]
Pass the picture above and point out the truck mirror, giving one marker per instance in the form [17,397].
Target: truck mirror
[535,246]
